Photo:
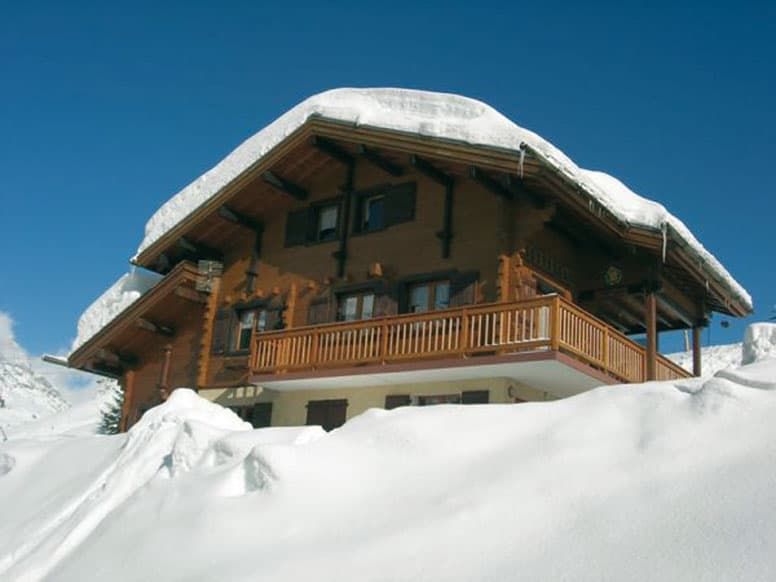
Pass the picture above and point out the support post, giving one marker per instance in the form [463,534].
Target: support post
[129,389]
[650,312]
[696,350]
[164,376]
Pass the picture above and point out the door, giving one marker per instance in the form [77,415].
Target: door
[329,414]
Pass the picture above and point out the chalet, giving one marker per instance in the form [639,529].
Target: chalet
[385,247]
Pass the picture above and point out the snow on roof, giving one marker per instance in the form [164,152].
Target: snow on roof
[124,292]
[437,115]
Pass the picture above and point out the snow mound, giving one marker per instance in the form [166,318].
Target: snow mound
[630,483]
[186,434]
[759,342]
[437,115]
[124,292]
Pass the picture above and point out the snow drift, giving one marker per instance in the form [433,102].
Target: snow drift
[657,481]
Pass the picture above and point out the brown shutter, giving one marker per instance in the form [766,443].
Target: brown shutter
[463,289]
[274,318]
[329,414]
[400,204]
[319,310]
[386,302]
[262,415]
[475,397]
[297,225]
[222,328]
[395,400]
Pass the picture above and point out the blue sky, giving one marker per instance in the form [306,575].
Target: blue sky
[106,110]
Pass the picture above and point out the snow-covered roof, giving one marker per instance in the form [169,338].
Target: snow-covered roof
[124,292]
[442,116]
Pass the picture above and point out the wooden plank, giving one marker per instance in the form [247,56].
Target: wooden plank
[490,183]
[696,350]
[332,149]
[190,294]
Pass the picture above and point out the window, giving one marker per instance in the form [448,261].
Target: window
[355,306]
[373,213]
[247,321]
[439,399]
[327,218]
[259,414]
[429,296]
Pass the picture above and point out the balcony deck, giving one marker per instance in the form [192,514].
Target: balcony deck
[548,323]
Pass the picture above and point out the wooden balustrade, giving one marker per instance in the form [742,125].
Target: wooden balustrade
[541,323]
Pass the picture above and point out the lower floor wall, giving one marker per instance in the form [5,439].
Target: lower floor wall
[332,407]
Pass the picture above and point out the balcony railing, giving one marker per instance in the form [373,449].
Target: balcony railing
[544,323]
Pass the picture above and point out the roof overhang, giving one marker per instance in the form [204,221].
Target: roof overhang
[531,163]
[111,349]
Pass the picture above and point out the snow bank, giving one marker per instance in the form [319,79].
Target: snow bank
[438,115]
[654,482]
[759,342]
[124,292]
[713,358]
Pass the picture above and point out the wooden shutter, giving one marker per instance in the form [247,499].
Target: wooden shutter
[395,400]
[262,415]
[319,310]
[386,303]
[327,413]
[223,326]
[463,288]
[274,318]
[297,227]
[400,204]
[475,397]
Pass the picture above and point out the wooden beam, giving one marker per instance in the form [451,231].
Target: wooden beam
[252,273]
[696,350]
[673,310]
[198,250]
[650,309]
[446,234]
[238,218]
[430,170]
[379,161]
[348,200]
[115,359]
[147,325]
[285,186]
[331,149]
[490,183]
[191,294]
[206,337]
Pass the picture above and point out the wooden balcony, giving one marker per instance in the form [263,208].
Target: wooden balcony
[544,323]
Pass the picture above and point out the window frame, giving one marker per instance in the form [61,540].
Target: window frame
[359,295]
[259,314]
[317,210]
[431,301]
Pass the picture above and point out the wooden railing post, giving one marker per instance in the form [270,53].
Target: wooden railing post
[383,342]
[555,324]
[314,348]
[464,332]
[605,350]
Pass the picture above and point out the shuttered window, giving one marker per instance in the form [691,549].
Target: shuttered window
[396,400]
[222,326]
[297,227]
[475,397]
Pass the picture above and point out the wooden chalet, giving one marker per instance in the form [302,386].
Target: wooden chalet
[356,266]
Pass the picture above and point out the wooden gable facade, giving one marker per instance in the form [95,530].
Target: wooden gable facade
[356,251]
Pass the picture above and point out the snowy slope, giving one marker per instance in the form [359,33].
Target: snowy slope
[439,115]
[24,395]
[713,358]
[636,483]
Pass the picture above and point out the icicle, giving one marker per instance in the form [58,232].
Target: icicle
[664,229]
[522,159]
